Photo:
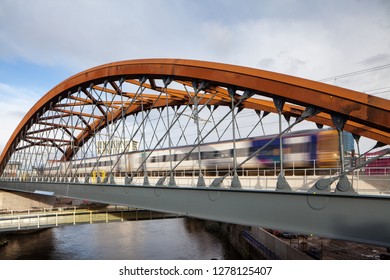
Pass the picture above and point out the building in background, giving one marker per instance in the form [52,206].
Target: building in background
[348,142]
[115,146]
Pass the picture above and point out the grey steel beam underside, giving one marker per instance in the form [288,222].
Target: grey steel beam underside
[360,218]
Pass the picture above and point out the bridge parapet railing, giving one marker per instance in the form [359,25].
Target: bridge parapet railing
[44,218]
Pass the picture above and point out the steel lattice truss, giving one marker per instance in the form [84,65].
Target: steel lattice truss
[151,105]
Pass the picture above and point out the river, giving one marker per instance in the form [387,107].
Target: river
[169,239]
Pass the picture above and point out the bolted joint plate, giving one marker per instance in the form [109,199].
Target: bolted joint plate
[322,186]
[160,182]
[217,183]
[172,181]
[201,182]
[282,184]
[344,186]
[236,184]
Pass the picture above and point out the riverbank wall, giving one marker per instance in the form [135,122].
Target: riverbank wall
[257,243]
[3,240]
[21,201]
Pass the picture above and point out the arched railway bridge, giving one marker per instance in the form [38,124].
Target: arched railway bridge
[189,137]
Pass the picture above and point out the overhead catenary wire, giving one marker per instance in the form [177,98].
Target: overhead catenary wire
[364,71]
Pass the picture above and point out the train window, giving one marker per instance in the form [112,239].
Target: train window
[195,156]
[299,147]
[225,154]
[169,158]
[243,152]
[180,157]
[210,155]
[252,150]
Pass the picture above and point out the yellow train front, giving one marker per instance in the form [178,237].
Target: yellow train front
[314,148]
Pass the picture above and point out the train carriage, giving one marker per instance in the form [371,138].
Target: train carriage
[304,149]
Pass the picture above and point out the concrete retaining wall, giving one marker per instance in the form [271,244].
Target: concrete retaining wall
[22,201]
[256,243]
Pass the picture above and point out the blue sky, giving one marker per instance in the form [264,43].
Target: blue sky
[43,42]
[35,76]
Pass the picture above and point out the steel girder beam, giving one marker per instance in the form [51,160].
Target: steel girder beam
[366,115]
[355,218]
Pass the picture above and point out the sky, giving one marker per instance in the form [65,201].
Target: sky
[43,42]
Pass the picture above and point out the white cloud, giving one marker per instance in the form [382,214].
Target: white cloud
[329,35]
[14,104]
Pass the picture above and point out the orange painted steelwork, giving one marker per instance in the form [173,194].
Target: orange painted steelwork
[367,115]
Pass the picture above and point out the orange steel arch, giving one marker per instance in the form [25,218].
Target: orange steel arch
[366,115]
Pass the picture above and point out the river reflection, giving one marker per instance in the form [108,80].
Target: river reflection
[180,239]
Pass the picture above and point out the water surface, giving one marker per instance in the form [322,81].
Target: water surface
[170,239]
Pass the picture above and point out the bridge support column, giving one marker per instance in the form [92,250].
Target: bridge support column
[236,184]
[197,88]
[343,186]
[281,183]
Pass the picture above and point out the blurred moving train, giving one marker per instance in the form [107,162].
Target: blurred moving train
[303,149]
